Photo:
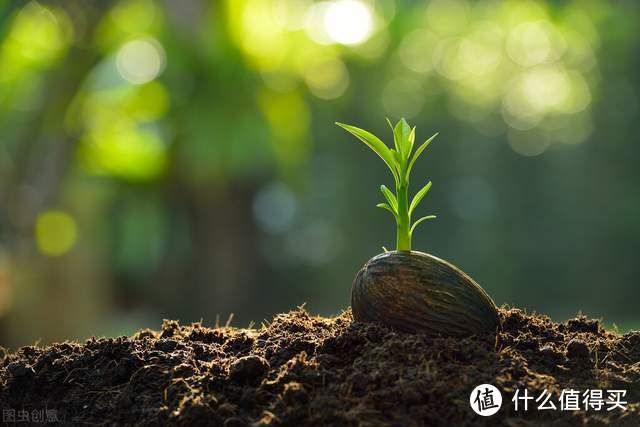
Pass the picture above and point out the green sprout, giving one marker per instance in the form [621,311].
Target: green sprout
[400,161]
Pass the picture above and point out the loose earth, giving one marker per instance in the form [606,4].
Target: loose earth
[308,370]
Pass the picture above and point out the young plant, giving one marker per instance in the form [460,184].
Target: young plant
[400,161]
[409,290]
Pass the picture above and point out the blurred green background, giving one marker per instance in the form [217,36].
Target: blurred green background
[178,159]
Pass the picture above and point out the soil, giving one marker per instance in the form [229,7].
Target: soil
[307,370]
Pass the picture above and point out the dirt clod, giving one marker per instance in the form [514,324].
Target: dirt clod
[19,369]
[577,349]
[294,393]
[303,370]
[248,368]
[234,422]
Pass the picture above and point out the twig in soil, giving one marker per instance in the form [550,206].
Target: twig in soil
[114,390]
[71,372]
[226,325]
[622,354]
[180,380]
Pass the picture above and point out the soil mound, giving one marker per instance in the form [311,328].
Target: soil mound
[306,370]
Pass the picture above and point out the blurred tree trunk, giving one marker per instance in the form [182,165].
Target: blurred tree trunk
[52,297]
[224,265]
[222,268]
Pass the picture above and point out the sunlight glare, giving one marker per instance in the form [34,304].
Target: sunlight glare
[348,22]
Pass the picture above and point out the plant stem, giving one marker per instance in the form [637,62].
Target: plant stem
[403,240]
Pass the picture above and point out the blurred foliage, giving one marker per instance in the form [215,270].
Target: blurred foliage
[178,159]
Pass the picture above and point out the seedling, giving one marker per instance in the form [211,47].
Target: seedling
[409,290]
[400,161]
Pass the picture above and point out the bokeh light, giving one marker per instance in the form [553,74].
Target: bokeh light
[274,208]
[39,34]
[36,40]
[315,23]
[528,143]
[290,14]
[327,78]
[55,232]
[125,149]
[140,61]
[447,17]
[348,21]
[416,50]
[512,61]
[533,43]
[134,16]
[403,97]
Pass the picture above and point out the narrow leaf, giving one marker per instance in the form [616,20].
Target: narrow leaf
[412,138]
[375,144]
[397,142]
[424,218]
[401,137]
[419,151]
[398,158]
[391,198]
[387,207]
[419,195]
[389,122]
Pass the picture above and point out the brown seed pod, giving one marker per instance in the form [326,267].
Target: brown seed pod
[417,292]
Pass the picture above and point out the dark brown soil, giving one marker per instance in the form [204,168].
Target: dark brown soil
[305,370]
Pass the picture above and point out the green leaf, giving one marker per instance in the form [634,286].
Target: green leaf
[389,122]
[375,144]
[424,218]
[398,158]
[419,195]
[387,207]
[401,137]
[419,151]
[411,140]
[390,197]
